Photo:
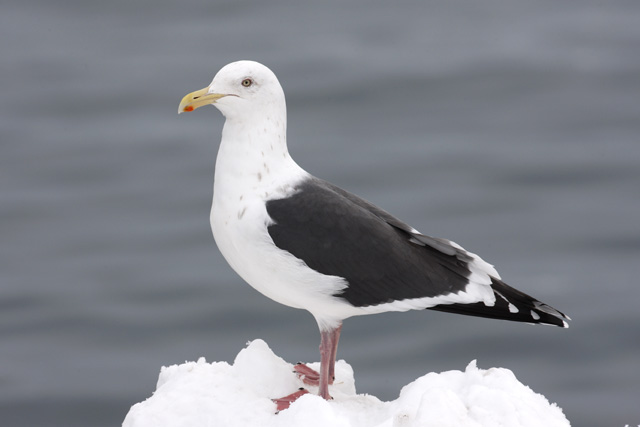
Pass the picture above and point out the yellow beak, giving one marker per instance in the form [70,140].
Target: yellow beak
[197,99]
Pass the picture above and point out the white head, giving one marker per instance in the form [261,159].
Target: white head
[240,89]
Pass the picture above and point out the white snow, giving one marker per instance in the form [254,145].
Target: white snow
[218,394]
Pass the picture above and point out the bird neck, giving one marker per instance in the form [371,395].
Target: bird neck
[253,156]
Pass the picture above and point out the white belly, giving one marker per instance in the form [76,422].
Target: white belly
[240,231]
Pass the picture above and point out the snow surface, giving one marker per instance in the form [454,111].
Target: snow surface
[219,394]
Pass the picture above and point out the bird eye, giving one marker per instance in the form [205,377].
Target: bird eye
[247,82]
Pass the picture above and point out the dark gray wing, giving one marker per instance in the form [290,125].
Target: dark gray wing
[383,259]
[337,233]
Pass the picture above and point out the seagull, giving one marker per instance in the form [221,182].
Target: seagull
[311,245]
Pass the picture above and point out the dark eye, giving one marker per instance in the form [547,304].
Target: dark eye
[247,82]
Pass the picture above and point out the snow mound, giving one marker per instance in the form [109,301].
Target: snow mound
[219,394]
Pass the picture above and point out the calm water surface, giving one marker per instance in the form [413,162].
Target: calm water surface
[513,129]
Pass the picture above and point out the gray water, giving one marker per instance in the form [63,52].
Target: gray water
[512,128]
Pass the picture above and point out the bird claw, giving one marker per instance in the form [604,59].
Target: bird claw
[284,402]
[307,375]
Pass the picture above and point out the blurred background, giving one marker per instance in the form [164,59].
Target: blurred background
[512,128]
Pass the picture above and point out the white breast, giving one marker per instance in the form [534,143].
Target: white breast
[245,179]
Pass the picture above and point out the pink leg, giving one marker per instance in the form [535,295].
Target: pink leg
[328,349]
[312,377]
[334,351]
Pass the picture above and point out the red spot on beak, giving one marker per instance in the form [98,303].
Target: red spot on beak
[188,108]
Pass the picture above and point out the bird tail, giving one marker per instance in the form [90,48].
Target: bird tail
[511,304]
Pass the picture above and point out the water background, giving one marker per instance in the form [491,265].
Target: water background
[512,128]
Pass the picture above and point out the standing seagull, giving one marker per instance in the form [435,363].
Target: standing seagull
[308,244]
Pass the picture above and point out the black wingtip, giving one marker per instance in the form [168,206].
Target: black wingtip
[511,304]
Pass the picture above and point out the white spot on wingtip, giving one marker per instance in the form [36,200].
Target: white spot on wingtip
[535,315]
[513,308]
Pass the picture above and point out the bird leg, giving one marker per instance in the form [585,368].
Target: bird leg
[328,350]
[311,376]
